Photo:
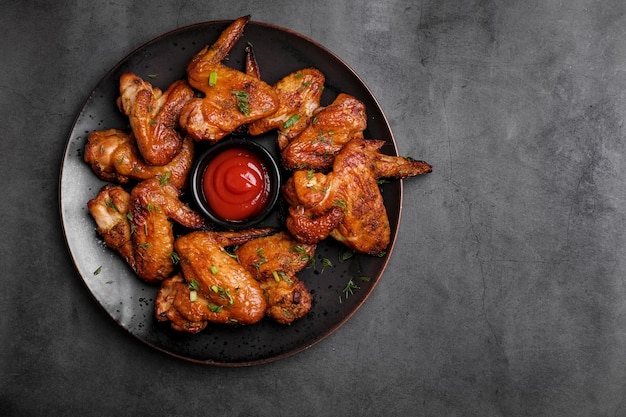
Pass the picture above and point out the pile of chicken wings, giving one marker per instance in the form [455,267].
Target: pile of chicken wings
[236,277]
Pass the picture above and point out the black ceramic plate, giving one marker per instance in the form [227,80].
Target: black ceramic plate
[129,301]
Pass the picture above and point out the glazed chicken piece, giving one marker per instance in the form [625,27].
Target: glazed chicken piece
[113,156]
[153,204]
[231,99]
[299,95]
[110,211]
[274,261]
[153,116]
[330,129]
[137,225]
[217,288]
[176,304]
[347,202]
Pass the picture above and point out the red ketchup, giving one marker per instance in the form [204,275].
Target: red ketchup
[236,184]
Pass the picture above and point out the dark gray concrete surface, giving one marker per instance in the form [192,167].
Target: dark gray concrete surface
[505,294]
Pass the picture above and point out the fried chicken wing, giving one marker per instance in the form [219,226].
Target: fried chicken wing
[278,253]
[137,225]
[227,292]
[274,261]
[309,227]
[152,206]
[231,99]
[153,116]
[113,156]
[352,188]
[299,95]
[330,129]
[110,211]
[174,304]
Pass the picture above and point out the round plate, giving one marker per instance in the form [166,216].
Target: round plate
[339,286]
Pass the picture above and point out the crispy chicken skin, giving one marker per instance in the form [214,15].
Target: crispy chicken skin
[362,224]
[110,210]
[137,225]
[231,99]
[330,129]
[152,206]
[309,227]
[173,304]
[153,116]
[299,95]
[274,261]
[113,156]
[225,292]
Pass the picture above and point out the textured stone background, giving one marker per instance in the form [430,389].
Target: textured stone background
[505,293]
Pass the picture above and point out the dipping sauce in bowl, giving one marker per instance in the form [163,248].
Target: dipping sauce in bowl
[235,183]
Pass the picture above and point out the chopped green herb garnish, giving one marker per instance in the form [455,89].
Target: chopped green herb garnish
[224,294]
[193,285]
[174,257]
[262,258]
[214,269]
[213,78]
[340,203]
[164,178]
[304,254]
[97,271]
[111,204]
[348,290]
[230,251]
[303,86]
[326,263]
[242,101]
[291,121]
[214,307]
[345,254]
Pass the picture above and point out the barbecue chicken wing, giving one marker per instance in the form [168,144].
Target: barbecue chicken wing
[216,288]
[137,225]
[176,304]
[231,98]
[153,116]
[347,201]
[330,129]
[299,95]
[153,205]
[274,261]
[110,211]
[113,156]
